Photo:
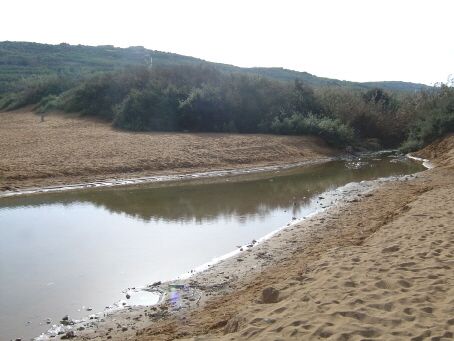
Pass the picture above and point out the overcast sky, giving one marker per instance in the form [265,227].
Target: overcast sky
[359,40]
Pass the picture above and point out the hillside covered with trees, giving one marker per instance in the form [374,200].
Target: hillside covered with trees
[19,60]
[181,93]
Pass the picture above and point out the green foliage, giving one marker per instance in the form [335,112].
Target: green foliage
[372,114]
[434,117]
[331,130]
[152,109]
[48,103]
[204,109]
[31,91]
[98,95]
[19,60]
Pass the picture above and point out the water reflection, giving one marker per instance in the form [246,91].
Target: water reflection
[240,197]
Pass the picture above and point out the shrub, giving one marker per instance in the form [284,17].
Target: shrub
[150,109]
[33,90]
[434,117]
[332,130]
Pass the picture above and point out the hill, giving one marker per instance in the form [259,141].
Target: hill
[19,60]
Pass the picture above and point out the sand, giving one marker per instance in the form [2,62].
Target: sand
[67,149]
[377,266]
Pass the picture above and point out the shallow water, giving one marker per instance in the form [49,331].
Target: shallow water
[61,253]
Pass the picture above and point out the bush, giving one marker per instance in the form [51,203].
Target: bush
[425,131]
[48,103]
[99,95]
[331,130]
[204,109]
[33,90]
[150,109]
[434,113]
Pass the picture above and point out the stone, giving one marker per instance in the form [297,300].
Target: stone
[234,324]
[270,295]
[69,335]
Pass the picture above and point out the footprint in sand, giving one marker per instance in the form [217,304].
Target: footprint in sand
[393,248]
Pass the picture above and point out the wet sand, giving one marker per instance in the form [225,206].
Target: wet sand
[66,150]
[378,265]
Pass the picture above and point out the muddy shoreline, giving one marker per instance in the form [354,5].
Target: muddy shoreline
[214,174]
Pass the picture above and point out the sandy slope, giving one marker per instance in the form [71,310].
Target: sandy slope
[65,150]
[440,152]
[378,267]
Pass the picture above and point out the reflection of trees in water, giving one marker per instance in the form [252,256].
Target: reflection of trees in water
[206,202]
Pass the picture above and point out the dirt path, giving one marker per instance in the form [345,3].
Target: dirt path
[67,150]
[378,267]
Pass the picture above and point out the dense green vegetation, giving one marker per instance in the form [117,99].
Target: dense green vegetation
[431,116]
[185,94]
[19,60]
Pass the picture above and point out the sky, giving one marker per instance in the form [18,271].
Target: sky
[357,40]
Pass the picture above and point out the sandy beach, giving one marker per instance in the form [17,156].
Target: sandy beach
[67,149]
[376,266]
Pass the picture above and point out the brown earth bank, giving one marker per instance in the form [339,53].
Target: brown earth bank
[68,149]
[379,266]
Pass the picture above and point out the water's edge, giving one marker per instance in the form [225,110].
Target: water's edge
[164,178]
[425,162]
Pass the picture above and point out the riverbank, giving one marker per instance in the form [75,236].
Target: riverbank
[65,150]
[377,266]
